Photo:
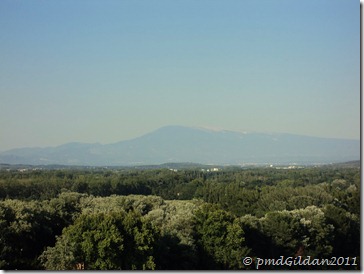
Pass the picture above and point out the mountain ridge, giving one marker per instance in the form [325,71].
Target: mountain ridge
[191,144]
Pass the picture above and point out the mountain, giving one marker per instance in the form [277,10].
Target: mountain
[198,145]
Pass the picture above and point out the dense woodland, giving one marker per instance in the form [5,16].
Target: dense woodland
[177,219]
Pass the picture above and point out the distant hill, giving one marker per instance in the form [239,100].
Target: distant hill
[350,164]
[185,144]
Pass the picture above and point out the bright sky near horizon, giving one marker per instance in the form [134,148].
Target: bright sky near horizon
[106,71]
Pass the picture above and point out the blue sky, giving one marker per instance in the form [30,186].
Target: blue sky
[106,71]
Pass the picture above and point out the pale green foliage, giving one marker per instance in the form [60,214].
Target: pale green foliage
[92,205]
[24,226]
[289,230]
[173,217]
[67,206]
[289,198]
[177,220]
[114,203]
[340,184]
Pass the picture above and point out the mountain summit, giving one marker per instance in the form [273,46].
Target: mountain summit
[199,145]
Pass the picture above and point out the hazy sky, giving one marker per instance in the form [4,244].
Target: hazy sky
[106,71]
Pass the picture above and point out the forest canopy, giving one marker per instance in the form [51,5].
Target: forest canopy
[188,219]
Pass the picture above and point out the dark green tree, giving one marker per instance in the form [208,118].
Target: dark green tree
[220,239]
[105,241]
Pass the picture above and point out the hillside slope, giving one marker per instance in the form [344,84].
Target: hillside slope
[185,144]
